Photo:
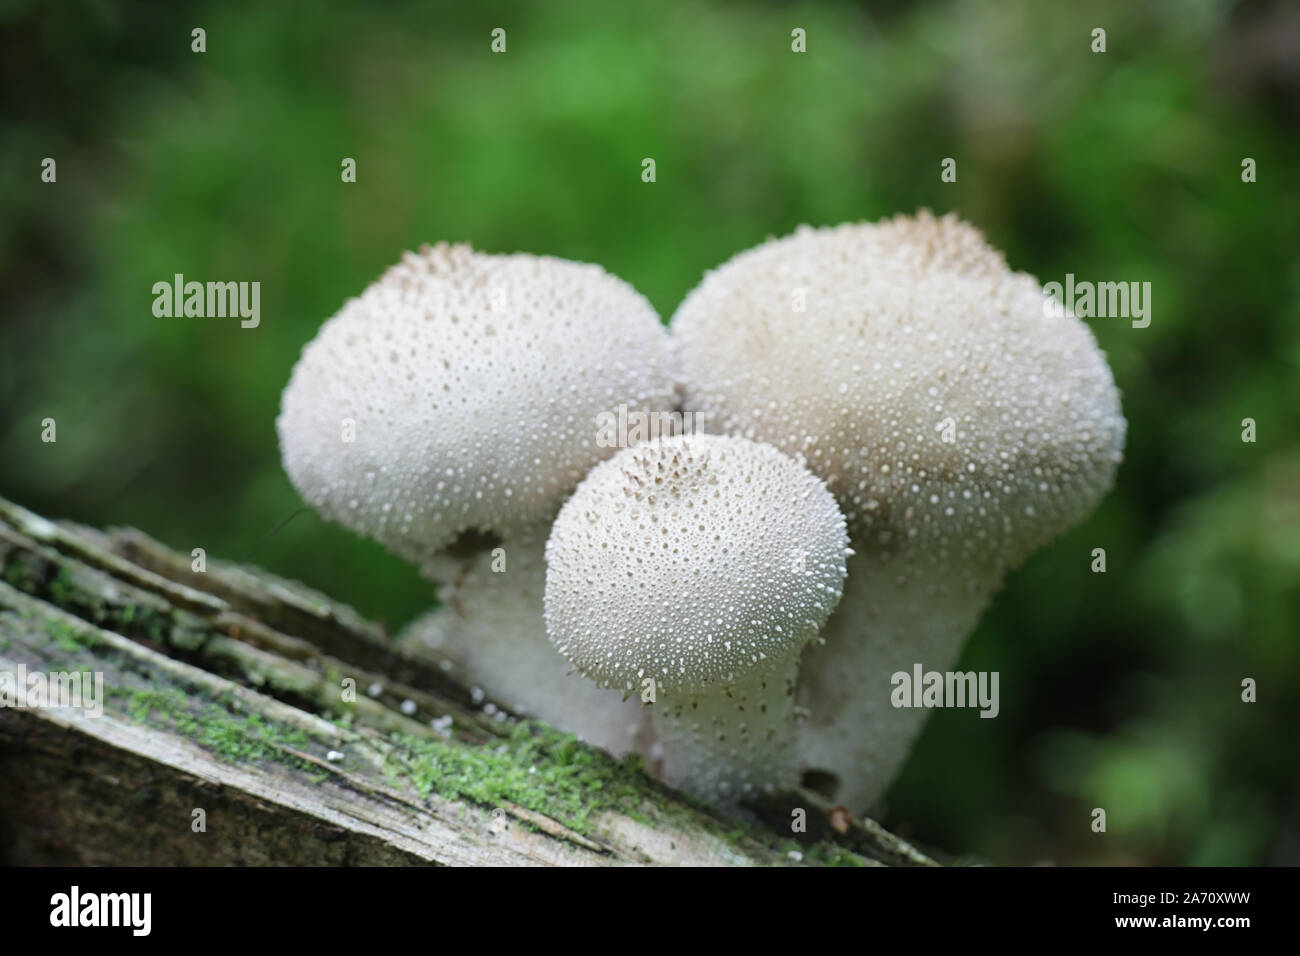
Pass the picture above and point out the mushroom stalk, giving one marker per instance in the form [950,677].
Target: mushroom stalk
[892,618]
[492,625]
[731,746]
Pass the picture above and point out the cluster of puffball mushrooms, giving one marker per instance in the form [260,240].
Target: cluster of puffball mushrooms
[894,421]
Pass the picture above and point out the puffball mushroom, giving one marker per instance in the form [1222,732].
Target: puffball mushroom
[459,393]
[491,623]
[959,423]
[691,571]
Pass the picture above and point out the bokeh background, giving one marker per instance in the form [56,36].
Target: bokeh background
[1119,690]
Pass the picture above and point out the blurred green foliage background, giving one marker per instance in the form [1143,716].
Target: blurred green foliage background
[1119,691]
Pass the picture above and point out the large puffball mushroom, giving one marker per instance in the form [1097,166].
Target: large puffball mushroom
[491,624]
[690,572]
[959,422]
[460,393]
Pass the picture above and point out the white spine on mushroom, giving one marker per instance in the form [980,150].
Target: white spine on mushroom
[491,624]
[461,392]
[958,424]
[696,569]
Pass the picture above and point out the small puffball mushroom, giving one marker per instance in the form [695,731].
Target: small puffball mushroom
[491,624]
[689,560]
[959,423]
[690,572]
[460,393]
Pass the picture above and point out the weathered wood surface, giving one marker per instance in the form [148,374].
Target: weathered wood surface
[228,737]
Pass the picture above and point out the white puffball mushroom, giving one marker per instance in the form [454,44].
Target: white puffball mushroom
[460,393]
[691,560]
[959,423]
[694,570]
[491,624]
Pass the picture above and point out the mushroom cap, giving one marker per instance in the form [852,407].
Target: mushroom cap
[460,392]
[694,561]
[922,380]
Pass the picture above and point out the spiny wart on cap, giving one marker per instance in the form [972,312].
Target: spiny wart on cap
[922,380]
[692,561]
[460,391]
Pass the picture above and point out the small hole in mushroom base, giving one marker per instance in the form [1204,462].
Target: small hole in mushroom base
[822,782]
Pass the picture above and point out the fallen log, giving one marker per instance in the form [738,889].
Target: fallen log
[249,720]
